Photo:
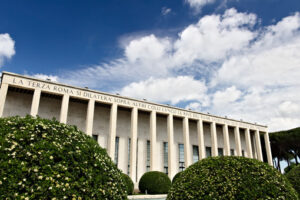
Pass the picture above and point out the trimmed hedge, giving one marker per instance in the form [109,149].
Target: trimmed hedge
[155,183]
[232,177]
[129,183]
[44,159]
[294,177]
[176,177]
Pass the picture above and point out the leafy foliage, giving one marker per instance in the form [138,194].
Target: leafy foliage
[176,177]
[44,159]
[288,168]
[285,145]
[129,183]
[294,177]
[231,178]
[155,183]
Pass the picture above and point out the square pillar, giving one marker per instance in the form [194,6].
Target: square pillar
[153,143]
[3,93]
[237,138]
[123,151]
[64,109]
[35,102]
[226,140]
[201,145]
[133,152]
[142,158]
[258,145]
[186,139]
[171,148]
[268,148]
[248,143]
[111,142]
[90,117]
[214,141]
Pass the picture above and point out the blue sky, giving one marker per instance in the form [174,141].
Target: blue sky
[239,58]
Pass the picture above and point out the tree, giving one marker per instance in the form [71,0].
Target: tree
[285,145]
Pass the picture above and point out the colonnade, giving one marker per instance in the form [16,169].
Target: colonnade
[153,133]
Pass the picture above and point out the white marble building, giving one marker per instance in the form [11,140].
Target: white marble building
[138,135]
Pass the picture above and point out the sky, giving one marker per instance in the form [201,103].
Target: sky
[234,58]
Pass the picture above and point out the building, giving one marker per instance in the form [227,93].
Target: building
[139,136]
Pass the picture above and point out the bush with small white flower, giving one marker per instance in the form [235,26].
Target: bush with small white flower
[45,159]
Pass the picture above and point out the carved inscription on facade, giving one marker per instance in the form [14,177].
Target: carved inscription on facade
[84,94]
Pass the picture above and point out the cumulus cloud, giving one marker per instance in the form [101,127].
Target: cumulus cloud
[253,71]
[7,47]
[229,95]
[147,49]
[198,4]
[274,58]
[268,73]
[172,89]
[214,37]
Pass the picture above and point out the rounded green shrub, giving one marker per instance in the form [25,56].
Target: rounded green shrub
[44,159]
[228,177]
[288,168]
[155,182]
[294,177]
[129,183]
[176,177]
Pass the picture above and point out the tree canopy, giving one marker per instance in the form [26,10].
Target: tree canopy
[285,146]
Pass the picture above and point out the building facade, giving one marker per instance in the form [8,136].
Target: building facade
[139,136]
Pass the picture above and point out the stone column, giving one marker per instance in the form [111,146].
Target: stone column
[226,140]
[111,142]
[35,102]
[201,145]
[3,93]
[171,155]
[248,143]
[153,150]
[268,148]
[237,138]
[142,158]
[186,139]
[90,117]
[134,126]
[64,109]
[123,151]
[214,141]
[258,145]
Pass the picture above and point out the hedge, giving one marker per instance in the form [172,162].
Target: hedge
[228,177]
[44,159]
[176,177]
[129,183]
[294,177]
[154,182]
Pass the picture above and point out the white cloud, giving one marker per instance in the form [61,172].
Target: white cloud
[288,108]
[7,47]
[47,77]
[166,11]
[229,95]
[172,89]
[214,37]
[253,73]
[147,49]
[198,4]
[273,60]
[194,106]
[268,73]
